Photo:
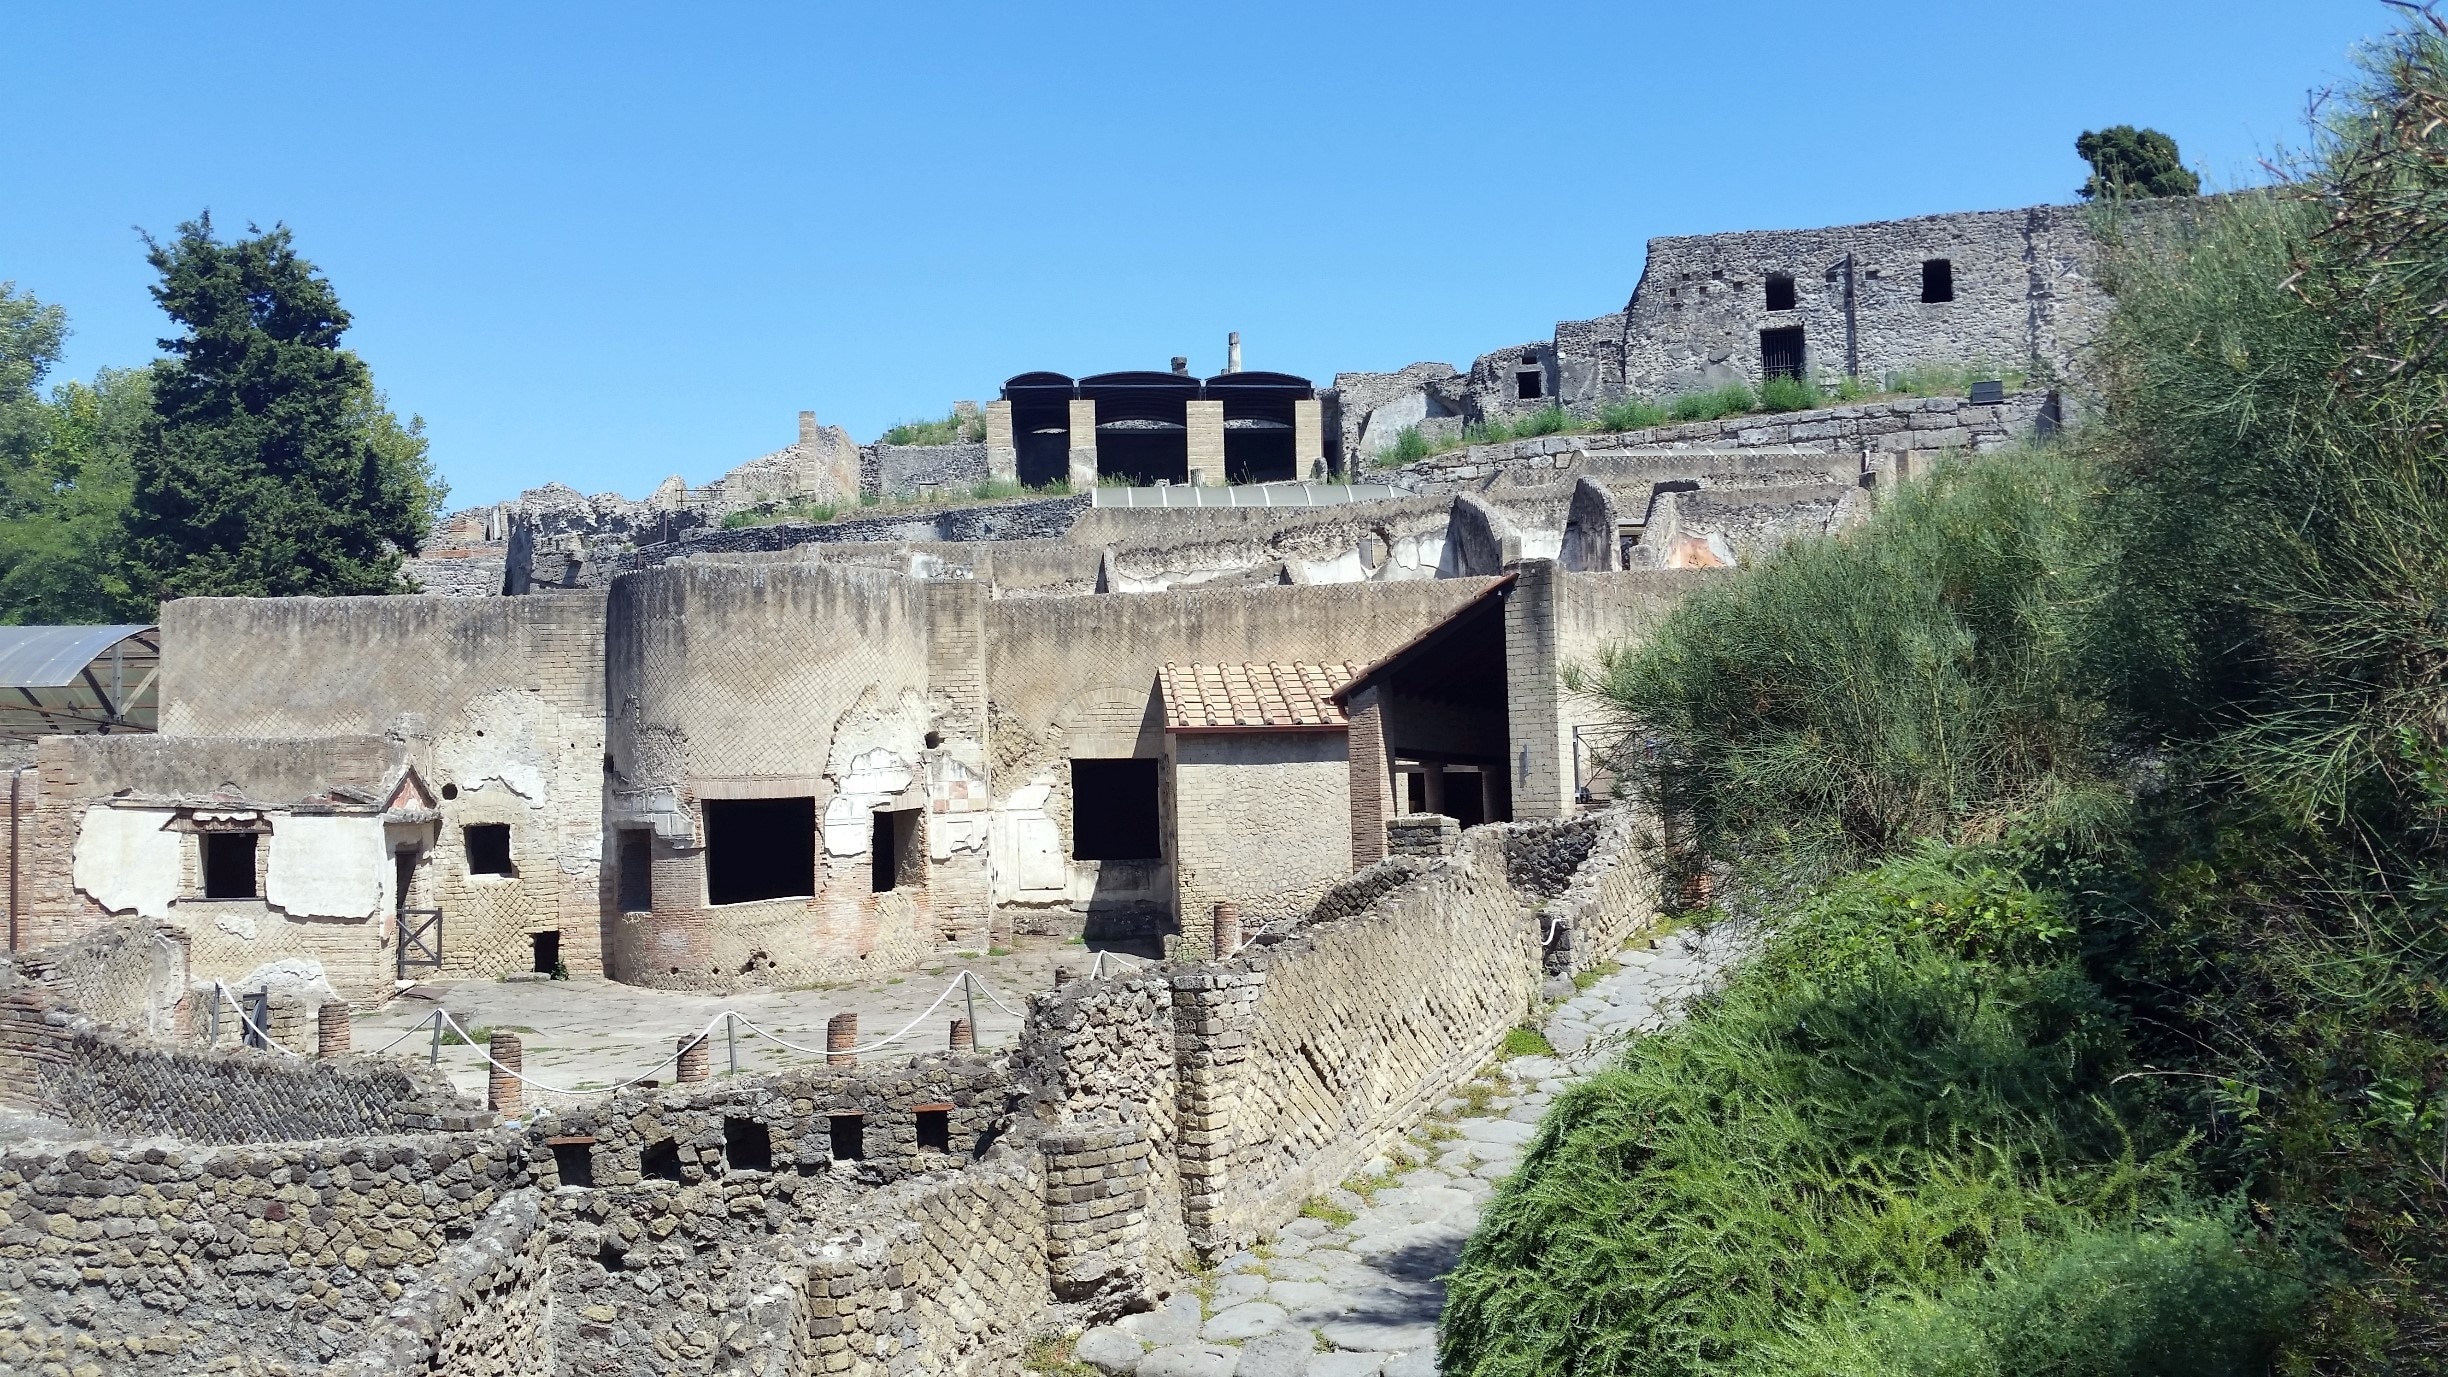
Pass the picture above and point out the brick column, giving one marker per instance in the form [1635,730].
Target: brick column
[964,1038]
[1308,439]
[841,1034]
[1002,449]
[1206,443]
[332,1030]
[1083,444]
[1227,929]
[1537,758]
[696,1055]
[503,1091]
[1372,782]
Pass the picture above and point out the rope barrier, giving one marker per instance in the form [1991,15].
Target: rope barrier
[421,1025]
[221,992]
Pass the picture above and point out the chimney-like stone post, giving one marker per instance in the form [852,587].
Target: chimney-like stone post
[504,1091]
[841,1034]
[332,1030]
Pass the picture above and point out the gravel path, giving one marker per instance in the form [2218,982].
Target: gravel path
[1353,1287]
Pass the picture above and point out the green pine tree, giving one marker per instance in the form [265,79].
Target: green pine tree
[270,465]
[2126,161]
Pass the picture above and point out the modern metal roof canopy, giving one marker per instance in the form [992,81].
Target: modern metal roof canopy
[61,680]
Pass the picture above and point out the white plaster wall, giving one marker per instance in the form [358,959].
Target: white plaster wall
[127,862]
[328,867]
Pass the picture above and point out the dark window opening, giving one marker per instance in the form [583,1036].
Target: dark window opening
[849,1134]
[547,958]
[1937,280]
[229,865]
[934,1130]
[636,879]
[759,848]
[575,1162]
[1114,815]
[1781,352]
[488,848]
[403,875]
[660,1161]
[747,1145]
[891,847]
[1529,387]
[1466,797]
[1415,792]
[1780,292]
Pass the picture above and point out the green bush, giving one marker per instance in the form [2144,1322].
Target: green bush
[1631,414]
[1731,400]
[1550,420]
[948,430]
[1866,1110]
[1409,445]
[1790,394]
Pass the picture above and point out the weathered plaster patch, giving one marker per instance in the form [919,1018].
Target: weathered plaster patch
[127,862]
[328,867]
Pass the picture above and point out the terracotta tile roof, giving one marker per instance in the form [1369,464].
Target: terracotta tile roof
[1253,697]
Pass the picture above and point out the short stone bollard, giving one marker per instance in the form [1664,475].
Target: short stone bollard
[332,1030]
[504,1091]
[696,1058]
[1227,929]
[964,1038]
[1064,975]
[841,1034]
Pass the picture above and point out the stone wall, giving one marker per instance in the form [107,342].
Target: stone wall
[482,1310]
[156,1259]
[900,470]
[1038,518]
[129,976]
[1259,818]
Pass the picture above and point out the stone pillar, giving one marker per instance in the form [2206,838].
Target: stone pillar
[1002,447]
[696,1055]
[1432,775]
[504,1092]
[1372,782]
[1206,448]
[964,1038]
[1227,929]
[808,429]
[841,1034]
[1083,444]
[1308,439]
[332,1030]
[1538,755]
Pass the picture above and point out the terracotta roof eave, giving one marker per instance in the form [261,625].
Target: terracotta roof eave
[1262,727]
[1342,696]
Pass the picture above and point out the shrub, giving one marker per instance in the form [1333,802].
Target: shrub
[1631,414]
[1789,394]
[1549,420]
[1409,445]
[947,430]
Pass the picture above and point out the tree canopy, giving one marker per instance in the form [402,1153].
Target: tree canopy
[269,465]
[2126,161]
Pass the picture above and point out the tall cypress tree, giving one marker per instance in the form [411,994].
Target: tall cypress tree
[259,474]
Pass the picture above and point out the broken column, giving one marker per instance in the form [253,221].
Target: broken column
[1227,929]
[504,1091]
[1206,443]
[841,1034]
[1083,444]
[696,1052]
[964,1038]
[332,1030]
[1002,448]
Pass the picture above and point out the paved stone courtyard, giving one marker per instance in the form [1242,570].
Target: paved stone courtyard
[1353,1288]
[587,1035]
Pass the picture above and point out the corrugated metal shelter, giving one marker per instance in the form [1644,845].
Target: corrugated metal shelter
[67,680]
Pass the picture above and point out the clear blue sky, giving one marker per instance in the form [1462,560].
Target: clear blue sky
[604,242]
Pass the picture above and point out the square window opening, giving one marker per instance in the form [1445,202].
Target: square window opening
[1780,292]
[660,1161]
[575,1162]
[1781,353]
[636,878]
[894,857]
[934,1130]
[1115,811]
[488,848]
[547,951]
[1529,387]
[1937,280]
[229,865]
[849,1136]
[759,848]
[747,1145]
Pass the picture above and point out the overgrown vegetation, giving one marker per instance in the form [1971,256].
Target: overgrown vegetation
[2097,804]
[812,512]
[953,429]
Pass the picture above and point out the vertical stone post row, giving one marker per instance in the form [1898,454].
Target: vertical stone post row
[1206,443]
[841,1034]
[1308,438]
[1002,446]
[696,1058]
[1539,758]
[332,1030]
[505,1092]
[1083,444]
[1213,1009]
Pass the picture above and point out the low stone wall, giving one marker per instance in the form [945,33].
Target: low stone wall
[897,470]
[62,1065]
[130,975]
[483,1310]
[1610,891]
[161,1260]
[1042,518]
[1919,425]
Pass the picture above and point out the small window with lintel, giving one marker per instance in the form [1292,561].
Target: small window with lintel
[934,1127]
[1780,291]
[893,858]
[747,1144]
[1937,280]
[759,848]
[1529,385]
[848,1136]
[488,848]
[1114,810]
[229,865]
[636,877]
